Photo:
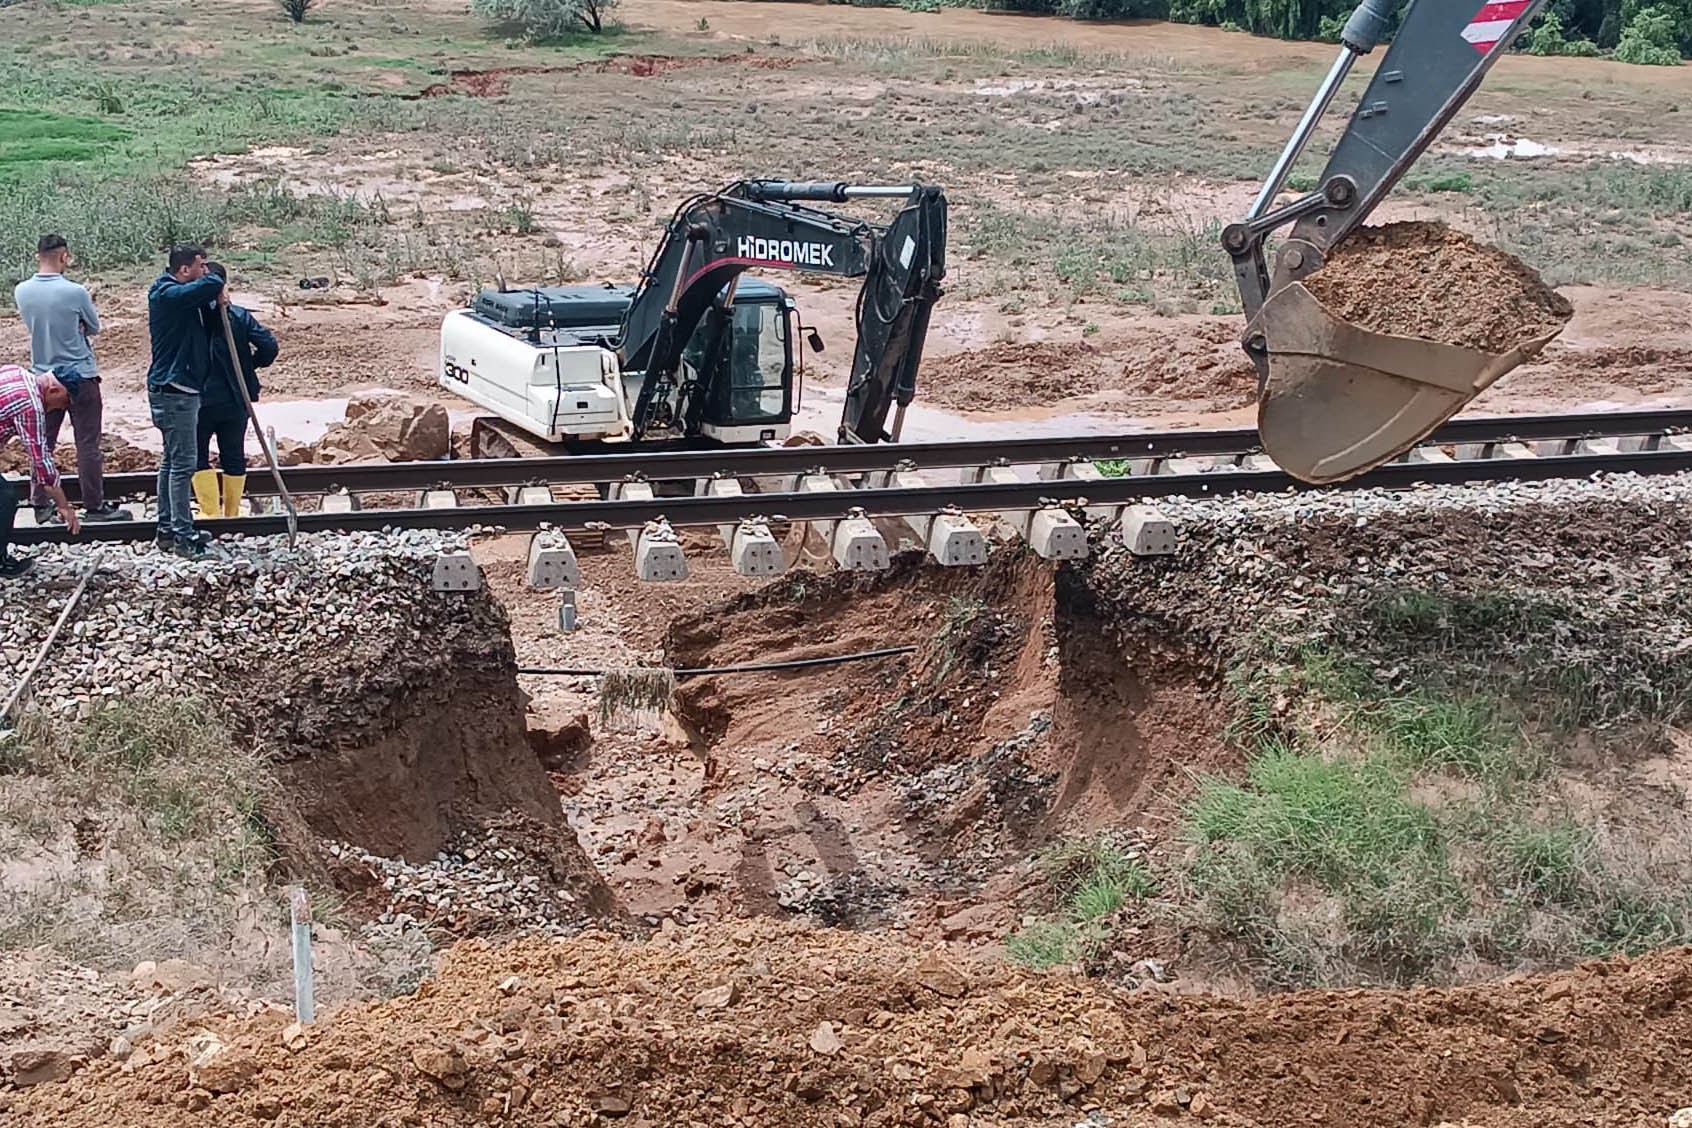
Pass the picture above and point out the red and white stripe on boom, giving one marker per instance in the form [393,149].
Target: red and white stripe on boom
[1492,22]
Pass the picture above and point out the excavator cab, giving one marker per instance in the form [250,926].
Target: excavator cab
[741,357]
[1336,399]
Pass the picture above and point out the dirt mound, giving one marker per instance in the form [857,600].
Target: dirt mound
[1192,362]
[1013,375]
[122,456]
[1422,279]
[378,429]
[765,1025]
[1565,374]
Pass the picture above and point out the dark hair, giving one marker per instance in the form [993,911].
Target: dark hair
[71,380]
[217,269]
[50,243]
[184,256]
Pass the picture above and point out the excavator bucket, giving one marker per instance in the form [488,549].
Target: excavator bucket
[1339,400]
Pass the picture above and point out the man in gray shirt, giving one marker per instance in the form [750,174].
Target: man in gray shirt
[60,318]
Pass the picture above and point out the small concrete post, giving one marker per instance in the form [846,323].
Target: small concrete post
[658,554]
[299,912]
[566,609]
[552,562]
[1055,535]
[456,570]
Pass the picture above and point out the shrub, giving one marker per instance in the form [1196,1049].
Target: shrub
[296,9]
[546,19]
[1649,39]
[1549,38]
[1114,9]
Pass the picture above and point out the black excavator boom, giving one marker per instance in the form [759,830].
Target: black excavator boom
[715,237]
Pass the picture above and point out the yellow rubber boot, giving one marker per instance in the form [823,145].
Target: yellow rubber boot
[205,494]
[233,484]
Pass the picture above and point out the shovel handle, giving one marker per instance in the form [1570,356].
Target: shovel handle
[240,379]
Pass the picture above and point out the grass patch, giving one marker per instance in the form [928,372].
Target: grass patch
[127,220]
[1103,255]
[30,137]
[1092,879]
[1404,813]
[137,832]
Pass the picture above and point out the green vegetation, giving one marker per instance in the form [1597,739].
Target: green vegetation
[296,10]
[1404,808]
[1652,38]
[1093,880]
[546,20]
[160,793]
[31,136]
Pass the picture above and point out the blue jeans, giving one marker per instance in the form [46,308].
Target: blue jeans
[176,415]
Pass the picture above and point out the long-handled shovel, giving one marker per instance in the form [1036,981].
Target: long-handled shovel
[240,379]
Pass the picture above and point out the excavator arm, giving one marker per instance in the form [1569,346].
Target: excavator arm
[1336,399]
[715,237]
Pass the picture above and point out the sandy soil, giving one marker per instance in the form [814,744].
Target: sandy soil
[764,1025]
[1426,280]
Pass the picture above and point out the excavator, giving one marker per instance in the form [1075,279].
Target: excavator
[697,352]
[1335,399]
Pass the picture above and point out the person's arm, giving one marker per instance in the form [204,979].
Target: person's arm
[263,342]
[90,318]
[201,291]
[32,427]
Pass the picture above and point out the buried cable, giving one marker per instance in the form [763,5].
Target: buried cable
[747,668]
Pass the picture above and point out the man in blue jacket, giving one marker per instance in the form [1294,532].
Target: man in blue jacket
[223,412]
[175,380]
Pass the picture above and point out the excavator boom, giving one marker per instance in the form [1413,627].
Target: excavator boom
[1336,399]
[715,237]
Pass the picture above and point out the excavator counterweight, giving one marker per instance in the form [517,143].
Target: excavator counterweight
[1336,399]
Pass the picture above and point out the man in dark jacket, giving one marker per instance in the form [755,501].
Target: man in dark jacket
[222,410]
[175,380]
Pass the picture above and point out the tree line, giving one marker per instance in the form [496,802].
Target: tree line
[1654,32]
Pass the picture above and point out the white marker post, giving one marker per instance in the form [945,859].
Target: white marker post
[299,909]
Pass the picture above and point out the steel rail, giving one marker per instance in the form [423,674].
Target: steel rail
[586,469]
[833,505]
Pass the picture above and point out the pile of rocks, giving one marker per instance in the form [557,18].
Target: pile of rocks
[56,1018]
[1607,557]
[151,620]
[378,429]
[486,882]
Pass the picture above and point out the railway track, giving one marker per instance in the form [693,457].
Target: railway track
[1036,486]
[1236,445]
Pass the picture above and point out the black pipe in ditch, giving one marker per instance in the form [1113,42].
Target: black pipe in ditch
[747,668]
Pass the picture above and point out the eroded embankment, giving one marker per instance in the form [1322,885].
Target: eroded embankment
[1460,713]
[909,789]
[391,711]
[771,1025]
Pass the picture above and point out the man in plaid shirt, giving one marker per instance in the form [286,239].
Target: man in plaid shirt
[25,400]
